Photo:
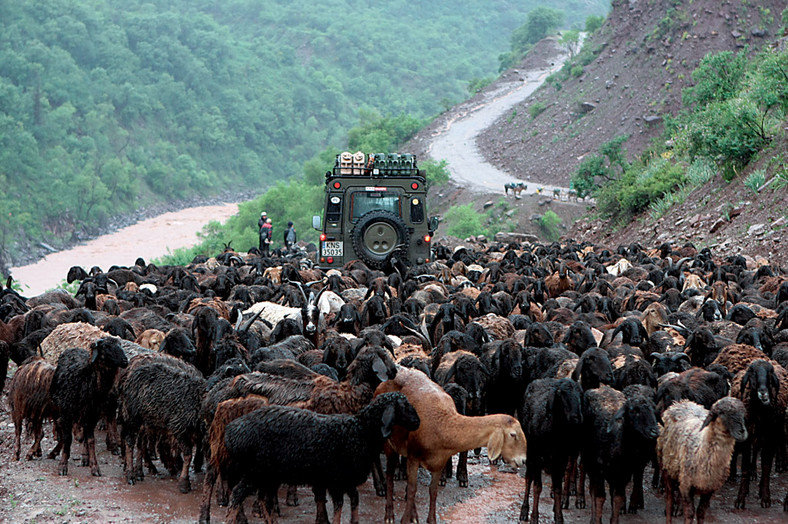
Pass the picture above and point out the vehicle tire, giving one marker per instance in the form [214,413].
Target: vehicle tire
[377,235]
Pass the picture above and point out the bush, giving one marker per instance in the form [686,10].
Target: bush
[729,132]
[436,173]
[464,221]
[536,109]
[638,188]
[594,22]
[550,224]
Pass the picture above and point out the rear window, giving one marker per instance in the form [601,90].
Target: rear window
[363,202]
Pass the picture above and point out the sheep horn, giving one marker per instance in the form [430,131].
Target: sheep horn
[246,325]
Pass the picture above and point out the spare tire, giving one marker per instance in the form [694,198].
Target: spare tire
[377,235]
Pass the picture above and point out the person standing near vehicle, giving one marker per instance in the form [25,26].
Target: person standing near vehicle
[260,224]
[266,234]
[290,236]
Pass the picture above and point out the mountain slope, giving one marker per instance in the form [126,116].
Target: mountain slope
[637,63]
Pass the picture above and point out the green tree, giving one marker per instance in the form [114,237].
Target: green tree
[570,40]
[717,78]
[594,22]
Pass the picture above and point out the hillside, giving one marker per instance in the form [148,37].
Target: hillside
[637,64]
[635,68]
[109,106]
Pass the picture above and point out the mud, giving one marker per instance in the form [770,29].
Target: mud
[33,492]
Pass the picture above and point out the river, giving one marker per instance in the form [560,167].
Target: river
[150,238]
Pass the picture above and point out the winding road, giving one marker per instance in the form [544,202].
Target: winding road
[457,140]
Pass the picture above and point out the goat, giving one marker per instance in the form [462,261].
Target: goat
[442,433]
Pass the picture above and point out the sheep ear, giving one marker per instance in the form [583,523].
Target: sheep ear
[617,419]
[379,367]
[774,382]
[744,381]
[387,421]
[495,445]
[709,419]
[94,352]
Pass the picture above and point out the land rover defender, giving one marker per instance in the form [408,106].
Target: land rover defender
[375,208]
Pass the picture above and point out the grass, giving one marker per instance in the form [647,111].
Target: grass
[755,180]
[698,173]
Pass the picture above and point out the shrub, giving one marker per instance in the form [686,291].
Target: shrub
[594,22]
[436,173]
[755,180]
[536,109]
[463,221]
[638,188]
[550,224]
[730,132]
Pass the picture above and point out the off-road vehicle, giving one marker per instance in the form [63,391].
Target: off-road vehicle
[375,208]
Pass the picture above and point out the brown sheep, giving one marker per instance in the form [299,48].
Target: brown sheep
[442,433]
[654,315]
[150,339]
[694,450]
[28,397]
[558,282]
[499,328]
[226,412]
[737,357]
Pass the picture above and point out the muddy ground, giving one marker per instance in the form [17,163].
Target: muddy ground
[33,492]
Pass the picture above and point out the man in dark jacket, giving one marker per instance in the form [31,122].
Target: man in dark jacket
[290,236]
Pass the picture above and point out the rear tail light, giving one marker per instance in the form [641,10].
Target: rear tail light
[427,238]
[322,237]
[330,260]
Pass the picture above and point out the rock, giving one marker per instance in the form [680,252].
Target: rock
[779,222]
[488,204]
[652,119]
[757,31]
[756,229]
[736,211]
[515,237]
[481,238]
[717,225]
[735,34]
[587,107]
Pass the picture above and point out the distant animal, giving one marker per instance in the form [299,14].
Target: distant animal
[516,187]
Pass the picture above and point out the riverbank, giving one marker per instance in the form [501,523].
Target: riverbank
[148,238]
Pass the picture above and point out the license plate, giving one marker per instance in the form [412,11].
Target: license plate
[332,248]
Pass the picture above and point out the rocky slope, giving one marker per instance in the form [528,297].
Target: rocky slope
[639,62]
[643,56]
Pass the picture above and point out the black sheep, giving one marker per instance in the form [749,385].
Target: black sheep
[615,427]
[165,400]
[504,360]
[80,386]
[276,444]
[552,417]
[593,369]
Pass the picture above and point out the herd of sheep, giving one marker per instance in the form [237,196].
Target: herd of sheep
[268,371]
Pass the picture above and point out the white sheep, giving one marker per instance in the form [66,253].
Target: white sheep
[695,449]
[273,312]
